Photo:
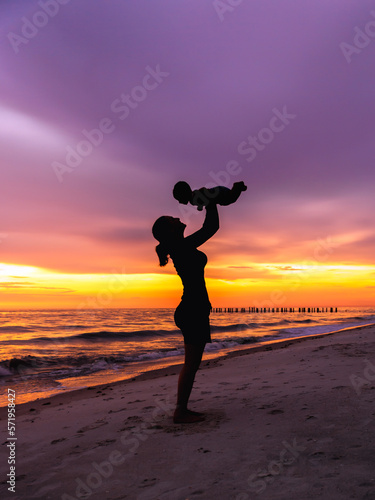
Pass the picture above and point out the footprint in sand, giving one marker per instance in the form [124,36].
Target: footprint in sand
[263,407]
[148,482]
[134,418]
[95,425]
[242,387]
[58,440]
[117,411]
[105,442]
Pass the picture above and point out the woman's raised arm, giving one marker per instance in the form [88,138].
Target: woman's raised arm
[209,228]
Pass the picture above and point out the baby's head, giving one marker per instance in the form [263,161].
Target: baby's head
[182,192]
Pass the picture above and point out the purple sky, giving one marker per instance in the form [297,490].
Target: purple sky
[314,179]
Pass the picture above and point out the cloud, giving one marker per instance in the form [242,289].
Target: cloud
[29,285]
[288,268]
[31,132]
[240,267]
[312,180]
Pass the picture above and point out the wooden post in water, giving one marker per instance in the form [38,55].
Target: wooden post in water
[274,309]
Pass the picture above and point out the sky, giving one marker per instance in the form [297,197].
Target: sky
[104,105]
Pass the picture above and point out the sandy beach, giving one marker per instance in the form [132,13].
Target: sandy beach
[289,420]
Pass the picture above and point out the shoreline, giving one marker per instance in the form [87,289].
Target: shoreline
[292,417]
[155,373]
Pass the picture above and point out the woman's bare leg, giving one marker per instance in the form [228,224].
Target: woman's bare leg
[193,358]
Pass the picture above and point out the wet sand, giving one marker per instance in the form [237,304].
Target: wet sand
[288,420]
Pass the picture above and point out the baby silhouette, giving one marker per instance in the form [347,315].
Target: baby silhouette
[220,195]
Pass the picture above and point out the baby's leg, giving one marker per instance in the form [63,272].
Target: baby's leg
[232,195]
[240,186]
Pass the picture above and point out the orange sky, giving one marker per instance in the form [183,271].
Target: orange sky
[267,285]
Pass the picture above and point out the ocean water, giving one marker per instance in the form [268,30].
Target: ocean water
[51,351]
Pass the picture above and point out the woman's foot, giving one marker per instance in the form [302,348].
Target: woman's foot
[185,416]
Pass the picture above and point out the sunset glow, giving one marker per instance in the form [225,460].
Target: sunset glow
[271,286]
[92,145]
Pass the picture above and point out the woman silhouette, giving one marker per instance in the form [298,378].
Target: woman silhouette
[192,314]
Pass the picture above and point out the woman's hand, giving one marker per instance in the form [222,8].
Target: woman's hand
[209,228]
